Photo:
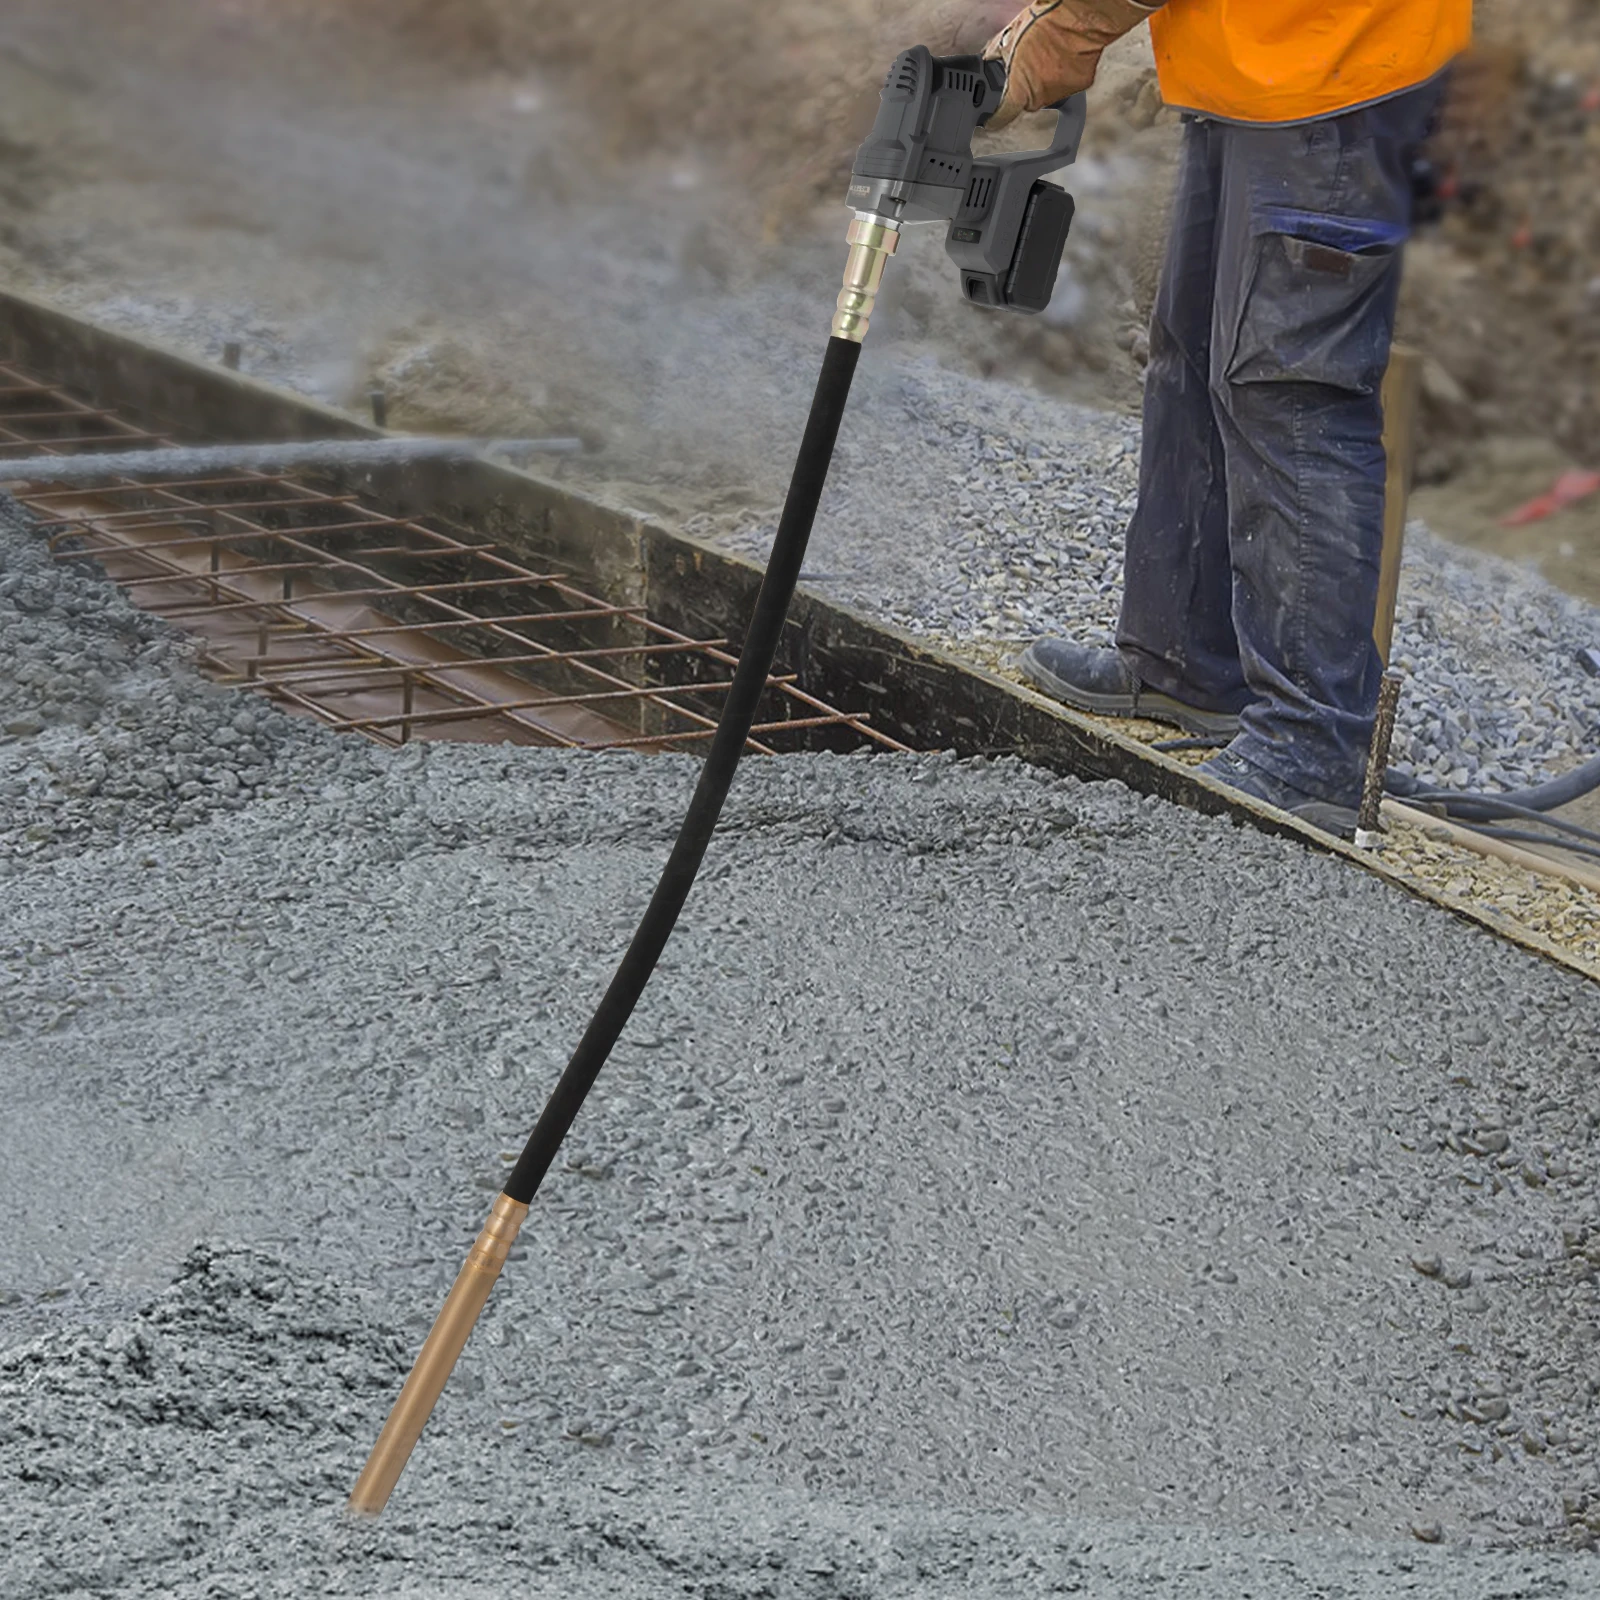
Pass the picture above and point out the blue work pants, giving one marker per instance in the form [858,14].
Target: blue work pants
[1252,559]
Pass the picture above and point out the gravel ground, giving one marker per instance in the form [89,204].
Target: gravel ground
[942,1226]
[976,512]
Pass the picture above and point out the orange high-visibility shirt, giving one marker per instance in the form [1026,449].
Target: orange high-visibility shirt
[1293,60]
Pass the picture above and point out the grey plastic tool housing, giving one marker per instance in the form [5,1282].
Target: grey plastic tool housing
[1009,234]
[1007,228]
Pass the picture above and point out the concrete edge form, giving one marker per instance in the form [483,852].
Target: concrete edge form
[919,693]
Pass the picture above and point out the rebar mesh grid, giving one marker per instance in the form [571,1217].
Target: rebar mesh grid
[392,627]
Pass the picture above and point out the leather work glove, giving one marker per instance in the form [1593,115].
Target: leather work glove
[1052,49]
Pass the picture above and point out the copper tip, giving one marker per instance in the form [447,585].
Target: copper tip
[437,1358]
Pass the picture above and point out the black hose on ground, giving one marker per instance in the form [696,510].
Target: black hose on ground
[1467,805]
[1527,836]
[1473,809]
[1476,808]
[749,682]
[1570,786]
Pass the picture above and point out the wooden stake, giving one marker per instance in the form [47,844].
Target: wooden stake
[1402,387]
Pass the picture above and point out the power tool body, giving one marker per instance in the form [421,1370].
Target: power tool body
[1007,225]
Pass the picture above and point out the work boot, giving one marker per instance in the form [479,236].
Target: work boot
[1235,772]
[1099,680]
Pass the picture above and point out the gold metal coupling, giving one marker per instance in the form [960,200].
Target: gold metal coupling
[872,242]
[437,1358]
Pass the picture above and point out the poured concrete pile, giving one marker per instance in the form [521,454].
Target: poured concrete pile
[1008,1186]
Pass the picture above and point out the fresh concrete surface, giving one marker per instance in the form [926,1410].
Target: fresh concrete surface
[1008,1185]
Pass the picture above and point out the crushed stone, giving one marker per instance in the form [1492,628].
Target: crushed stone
[977,513]
[107,728]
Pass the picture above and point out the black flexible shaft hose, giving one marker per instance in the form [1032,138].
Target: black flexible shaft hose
[1470,806]
[749,681]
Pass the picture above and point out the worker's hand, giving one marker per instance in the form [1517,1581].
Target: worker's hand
[1052,49]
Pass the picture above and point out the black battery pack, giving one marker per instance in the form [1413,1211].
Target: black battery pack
[1040,244]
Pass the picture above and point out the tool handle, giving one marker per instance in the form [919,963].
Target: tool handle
[437,1358]
[1073,119]
[1009,232]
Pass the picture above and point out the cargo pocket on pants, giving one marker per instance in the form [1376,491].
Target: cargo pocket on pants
[1316,312]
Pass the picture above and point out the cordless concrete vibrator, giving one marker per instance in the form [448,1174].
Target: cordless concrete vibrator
[1007,228]
[1007,225]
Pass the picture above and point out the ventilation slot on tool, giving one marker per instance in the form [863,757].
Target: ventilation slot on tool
[978,193]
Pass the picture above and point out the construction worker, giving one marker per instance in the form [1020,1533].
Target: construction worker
[1251,572]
